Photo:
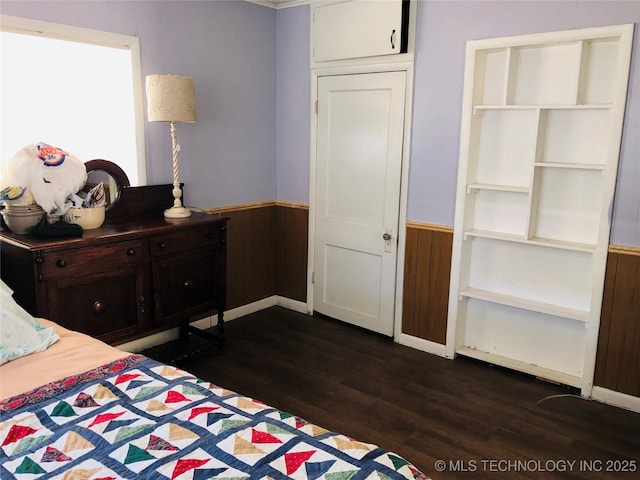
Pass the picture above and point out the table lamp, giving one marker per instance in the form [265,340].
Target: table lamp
[171,98]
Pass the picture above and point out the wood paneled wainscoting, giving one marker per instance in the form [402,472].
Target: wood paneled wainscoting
[618,358]
[266,251]
[427,269]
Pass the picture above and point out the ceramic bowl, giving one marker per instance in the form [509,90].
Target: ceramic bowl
[87,218]
[34,207]
[23,221]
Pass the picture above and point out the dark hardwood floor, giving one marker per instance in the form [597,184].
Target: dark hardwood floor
[483,421]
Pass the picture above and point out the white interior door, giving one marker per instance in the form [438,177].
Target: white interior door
[360,128]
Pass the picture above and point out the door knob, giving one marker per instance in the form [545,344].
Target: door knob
[386,237]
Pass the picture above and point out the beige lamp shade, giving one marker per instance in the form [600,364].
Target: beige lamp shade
[170,98]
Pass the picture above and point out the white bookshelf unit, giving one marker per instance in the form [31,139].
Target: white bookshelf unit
[540,140]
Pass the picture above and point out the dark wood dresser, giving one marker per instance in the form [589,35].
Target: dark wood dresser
[138,274]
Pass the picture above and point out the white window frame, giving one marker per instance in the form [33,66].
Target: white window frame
[60,31]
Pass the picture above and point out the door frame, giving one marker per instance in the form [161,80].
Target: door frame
[404,64]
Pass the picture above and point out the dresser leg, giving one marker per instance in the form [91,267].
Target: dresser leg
[220,332]
[184,331]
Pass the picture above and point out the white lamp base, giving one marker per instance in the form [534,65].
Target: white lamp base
[177,212]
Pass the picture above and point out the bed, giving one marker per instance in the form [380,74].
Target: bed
[81,409]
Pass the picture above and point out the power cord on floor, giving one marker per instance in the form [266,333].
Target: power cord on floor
[549,397]
[560,395]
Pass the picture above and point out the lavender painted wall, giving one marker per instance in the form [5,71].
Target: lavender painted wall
[293,104]
[443,27]
[229,48]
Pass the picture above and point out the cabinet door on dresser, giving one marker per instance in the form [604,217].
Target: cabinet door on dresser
[100,291]
[187,273]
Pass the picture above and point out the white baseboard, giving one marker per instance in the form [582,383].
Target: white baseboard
[208,322]
[616,399]
[421,344]
[290,304]
[249,308]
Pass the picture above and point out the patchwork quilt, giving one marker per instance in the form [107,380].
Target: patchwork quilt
[136,418]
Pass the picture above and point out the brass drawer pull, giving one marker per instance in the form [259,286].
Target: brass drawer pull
[61,263]
[188,283]
[131,252]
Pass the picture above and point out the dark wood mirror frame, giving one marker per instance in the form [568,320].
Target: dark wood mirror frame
[116,174]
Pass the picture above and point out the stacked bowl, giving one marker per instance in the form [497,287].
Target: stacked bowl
[22,218]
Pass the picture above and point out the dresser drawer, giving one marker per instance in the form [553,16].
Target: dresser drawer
[183,284]
[110,305]
[84,261]
[191,239]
